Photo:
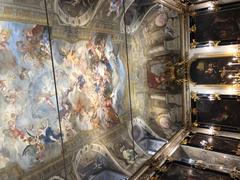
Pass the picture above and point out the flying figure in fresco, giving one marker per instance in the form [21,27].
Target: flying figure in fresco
[34,47]
[14,131]
[46,98]
[37,143]
[115,6]
[81,81]
[4,37]
[49,136]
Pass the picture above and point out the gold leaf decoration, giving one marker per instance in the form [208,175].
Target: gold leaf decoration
[195,124]
[194,96]
[193,44]
[193,28]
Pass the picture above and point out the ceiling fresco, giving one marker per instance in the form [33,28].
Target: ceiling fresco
[96,81]
[90,80]
[30,129]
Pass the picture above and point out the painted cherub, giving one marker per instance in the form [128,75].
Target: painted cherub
[14,131]
[115,6]
[68,129]
[96,50]
[34,145]
[34,34]
[111,116]
[37,142]
[3,86]
[11,96]
[46,98]
[69,56]
[4,37]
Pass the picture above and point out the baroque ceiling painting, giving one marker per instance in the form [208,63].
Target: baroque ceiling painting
[91,83]
[30,128]
[95,89]
[90,80]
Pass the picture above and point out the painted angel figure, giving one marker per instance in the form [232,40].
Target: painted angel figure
[46,98]
[15,132]
[37,142]
[3,86]
[4,37]
[115,7]
[48,135]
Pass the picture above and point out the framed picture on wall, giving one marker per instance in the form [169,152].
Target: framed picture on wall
[214,70]
[215,27]
[219,112]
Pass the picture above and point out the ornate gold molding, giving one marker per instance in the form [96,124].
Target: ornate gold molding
[193,28]
[194,96]
[214,43]
[185,141]
[195,124]
[235,174]
[208,147]
[193,44]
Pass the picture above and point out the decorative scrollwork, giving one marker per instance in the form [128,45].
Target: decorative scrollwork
[193,44]
[214,43]
[180,81]
[195,124]
[200,165]
[194,96]
[185,141]
[208,147]
[237,152]
[193,28]
[153,163]
[170,158]
[217,96]
[235,174]
[162,169]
